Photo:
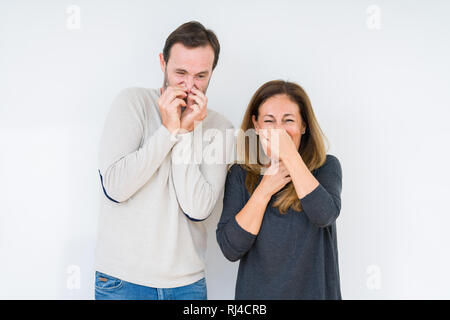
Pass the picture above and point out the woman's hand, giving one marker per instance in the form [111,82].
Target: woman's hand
[250,217]
[277,143]
[274,179]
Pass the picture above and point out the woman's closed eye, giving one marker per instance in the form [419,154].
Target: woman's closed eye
[288,120]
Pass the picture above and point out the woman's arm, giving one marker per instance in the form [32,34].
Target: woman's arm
[250,217]
[321,202]
[285,150]
[302,179]
[234,242]
[320,197]
[241,220]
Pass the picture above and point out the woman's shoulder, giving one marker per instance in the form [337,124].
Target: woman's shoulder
[332,159]
[235,178]
[236,170]
[331,163]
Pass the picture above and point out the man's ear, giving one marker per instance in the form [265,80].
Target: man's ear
[162,62]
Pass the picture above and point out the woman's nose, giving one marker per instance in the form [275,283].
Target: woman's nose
[278,126]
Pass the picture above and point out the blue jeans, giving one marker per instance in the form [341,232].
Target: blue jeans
[110,288]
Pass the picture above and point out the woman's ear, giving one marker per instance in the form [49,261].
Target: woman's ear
[303,128]
[255,123]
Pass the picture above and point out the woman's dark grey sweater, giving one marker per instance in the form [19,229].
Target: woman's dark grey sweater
[295,255]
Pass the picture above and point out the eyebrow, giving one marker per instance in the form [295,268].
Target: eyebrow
[285,115]
[202,72]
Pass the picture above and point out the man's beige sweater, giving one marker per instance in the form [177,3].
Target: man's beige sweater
[153,201]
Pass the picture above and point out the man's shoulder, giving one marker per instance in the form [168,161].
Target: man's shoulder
[140,92]
[215,119]
[141,101]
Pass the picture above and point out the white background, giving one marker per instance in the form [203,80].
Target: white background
[381,96]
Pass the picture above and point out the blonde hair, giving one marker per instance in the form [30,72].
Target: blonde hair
[312,146]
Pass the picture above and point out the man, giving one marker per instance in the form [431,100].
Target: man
[151,239]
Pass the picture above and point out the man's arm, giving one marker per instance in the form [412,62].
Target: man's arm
[124,164]
[198,186]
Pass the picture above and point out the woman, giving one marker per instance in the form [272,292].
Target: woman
[281,224]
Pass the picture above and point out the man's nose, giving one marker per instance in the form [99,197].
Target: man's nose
[189,82]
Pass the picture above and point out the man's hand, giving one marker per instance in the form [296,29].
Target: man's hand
[170,103]
[196,112]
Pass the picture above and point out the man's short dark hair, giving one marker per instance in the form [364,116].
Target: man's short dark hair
[192,35]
